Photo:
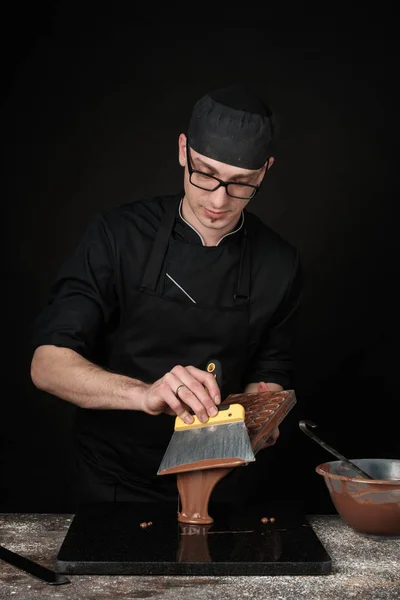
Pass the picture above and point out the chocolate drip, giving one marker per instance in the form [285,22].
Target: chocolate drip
[264,411]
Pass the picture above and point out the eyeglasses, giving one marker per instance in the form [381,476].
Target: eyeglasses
[243,191]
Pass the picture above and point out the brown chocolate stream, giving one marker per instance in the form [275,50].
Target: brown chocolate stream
[196,481]
[195,488]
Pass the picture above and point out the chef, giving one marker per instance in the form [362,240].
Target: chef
[158,286]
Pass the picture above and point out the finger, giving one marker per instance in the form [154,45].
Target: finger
[192,403]
[186,409]
[272,438]
[184,415]
[208,381]
[185,397]
[201,403]
[270,442]
[194,394]
[168,391]
[185,400]
[173,382]
[169,411]
[263,387]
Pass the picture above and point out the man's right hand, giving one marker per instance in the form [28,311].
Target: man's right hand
[198,391]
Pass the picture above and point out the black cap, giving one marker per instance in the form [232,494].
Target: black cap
[234,126]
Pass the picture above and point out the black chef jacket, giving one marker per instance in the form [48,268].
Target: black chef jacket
[92,290]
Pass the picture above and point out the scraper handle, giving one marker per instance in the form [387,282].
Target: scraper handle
[214,366]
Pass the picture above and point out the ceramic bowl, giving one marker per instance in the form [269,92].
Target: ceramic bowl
[370,507]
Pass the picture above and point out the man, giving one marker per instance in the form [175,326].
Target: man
[156,288]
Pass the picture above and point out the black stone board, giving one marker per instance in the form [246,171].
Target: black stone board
[107,539]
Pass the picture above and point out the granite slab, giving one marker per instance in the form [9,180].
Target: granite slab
[362,569]
[123,538]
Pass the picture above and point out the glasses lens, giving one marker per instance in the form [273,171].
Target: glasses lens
[204,181]
[240,191]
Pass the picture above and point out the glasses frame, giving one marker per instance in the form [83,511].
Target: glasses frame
[255,188]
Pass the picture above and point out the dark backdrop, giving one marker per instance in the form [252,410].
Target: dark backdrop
[92,109]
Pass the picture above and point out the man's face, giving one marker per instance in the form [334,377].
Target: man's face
[215,210]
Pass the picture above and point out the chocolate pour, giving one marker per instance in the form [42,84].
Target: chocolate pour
[195,488]
[196,481]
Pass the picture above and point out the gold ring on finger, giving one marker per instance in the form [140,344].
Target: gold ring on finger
[178,388]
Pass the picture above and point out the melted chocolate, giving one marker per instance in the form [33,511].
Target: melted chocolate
[370,507]
[195,488]
[203,465]
[263,413]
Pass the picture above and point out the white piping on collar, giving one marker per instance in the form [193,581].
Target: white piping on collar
[232,232]
[200,236]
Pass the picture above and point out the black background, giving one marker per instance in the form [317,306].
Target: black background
[93,105]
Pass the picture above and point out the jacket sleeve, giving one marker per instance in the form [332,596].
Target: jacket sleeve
[272,360]
[82,296]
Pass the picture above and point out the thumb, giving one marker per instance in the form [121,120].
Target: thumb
[263,387]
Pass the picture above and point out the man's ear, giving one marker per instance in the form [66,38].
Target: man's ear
[182,141]
[267,165]
[270,162]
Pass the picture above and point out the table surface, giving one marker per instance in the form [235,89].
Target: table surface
[362,568]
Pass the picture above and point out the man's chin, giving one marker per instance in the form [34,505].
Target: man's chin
[213,223]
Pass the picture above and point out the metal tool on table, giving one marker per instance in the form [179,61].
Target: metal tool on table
[33,568]
[222,436]
[304,426]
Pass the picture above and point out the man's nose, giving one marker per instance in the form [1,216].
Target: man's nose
[220,198]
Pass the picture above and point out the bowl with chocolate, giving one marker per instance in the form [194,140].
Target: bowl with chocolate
[370,506]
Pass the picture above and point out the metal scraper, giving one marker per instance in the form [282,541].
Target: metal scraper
[224,436]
